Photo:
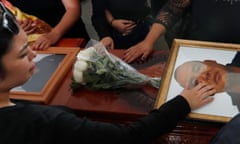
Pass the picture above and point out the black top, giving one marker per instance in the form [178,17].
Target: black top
[236,60]
[50,11]
[229,133]
[235,97]
[211,20]
[27,123]
[134,10]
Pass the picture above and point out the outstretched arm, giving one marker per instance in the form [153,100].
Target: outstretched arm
[144,130]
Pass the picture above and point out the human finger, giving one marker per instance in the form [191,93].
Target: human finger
[207,89]
[145,55]
[44,45]
[28,26]
[38,45]
[206,100]
[131,54]
[128,22]
[130,26]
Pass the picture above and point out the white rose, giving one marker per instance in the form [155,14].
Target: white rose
[80,65]
[78,76]
[86,54]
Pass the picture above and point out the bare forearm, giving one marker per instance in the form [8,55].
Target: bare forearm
[155,32]
[71,15]
[66,23]
[109,16]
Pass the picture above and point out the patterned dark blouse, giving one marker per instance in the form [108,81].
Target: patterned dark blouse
[211,20]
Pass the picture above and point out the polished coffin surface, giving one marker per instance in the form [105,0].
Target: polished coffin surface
[134,102]
[118,107]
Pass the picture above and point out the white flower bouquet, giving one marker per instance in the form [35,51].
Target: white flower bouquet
[96,68]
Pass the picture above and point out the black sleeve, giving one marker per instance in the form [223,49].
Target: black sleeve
[236,60]
[172,12]
[156,5]
[157,122]
[99,19]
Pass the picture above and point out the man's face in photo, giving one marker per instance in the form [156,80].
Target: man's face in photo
[191,73]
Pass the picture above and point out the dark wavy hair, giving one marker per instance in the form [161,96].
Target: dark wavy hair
[6,38]
[8,28]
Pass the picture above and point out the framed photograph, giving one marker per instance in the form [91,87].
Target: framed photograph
[189,63]
[52,65]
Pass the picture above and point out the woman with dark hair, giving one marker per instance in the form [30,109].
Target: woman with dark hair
[24,122]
